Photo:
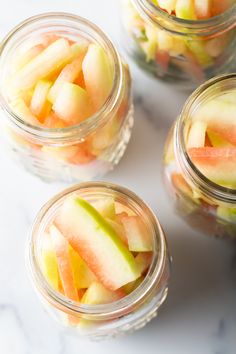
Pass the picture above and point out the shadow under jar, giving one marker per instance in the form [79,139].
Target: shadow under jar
[200,159]
[58,151]
[181,51]
[103,320]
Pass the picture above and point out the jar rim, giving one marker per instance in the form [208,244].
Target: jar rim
[208,187]
[116,308]
[100,117]
[205,27]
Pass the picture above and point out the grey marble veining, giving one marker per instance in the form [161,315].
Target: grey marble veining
[199,316]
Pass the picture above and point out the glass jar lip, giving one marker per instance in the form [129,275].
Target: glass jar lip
[114,309]
[101,116]
[207,186]
[204,27]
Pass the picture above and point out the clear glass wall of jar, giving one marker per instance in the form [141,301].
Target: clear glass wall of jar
[203,203]
[80,152]
[126,315]
[182,52]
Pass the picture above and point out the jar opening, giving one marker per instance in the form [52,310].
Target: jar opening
[129,302]
[206,27]
[208,91]
[62,23]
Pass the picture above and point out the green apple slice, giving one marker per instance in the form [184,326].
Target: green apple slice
[97,243]
[49,261]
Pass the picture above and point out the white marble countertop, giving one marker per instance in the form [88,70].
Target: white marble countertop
[199,316]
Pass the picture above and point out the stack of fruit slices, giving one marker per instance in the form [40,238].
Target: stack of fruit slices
[54,82]
[211,142]
[95,253]
[162,47]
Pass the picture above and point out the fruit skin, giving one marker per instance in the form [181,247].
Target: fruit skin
[49,262]
[61,248]
[98,75]
[97,294]
[217,164]
[39,104]
[97,243]
[72,104]
[139,239]
[44,64]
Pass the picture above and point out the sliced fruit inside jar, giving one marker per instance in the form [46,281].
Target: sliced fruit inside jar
[56,82]
[93,254]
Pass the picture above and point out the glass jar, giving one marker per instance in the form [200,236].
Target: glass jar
[184,52]
[203,203]
[80,152]
[131,312]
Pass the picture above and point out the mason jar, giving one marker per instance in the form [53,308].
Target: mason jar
[125,315]
[183,52]
[202,180]
[74,153]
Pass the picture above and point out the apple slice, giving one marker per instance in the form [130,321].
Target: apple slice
[97,294]
[49,262]
[139,239]
[97,243]
[61,248]
[217,164]
[185,9]
[106,207]
[203,8]
[219,114]
[197,134]
[98,75]
[39,104]
[22,111]
[72,104]
[44,64]
[83,276]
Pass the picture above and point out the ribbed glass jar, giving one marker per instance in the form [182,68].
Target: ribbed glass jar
[204,204]
[110,320]
[80,152]
[184,52]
